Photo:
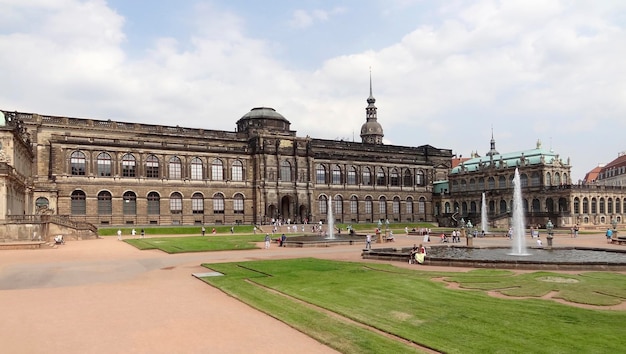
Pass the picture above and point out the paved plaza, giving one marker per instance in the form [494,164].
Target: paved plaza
[105,296]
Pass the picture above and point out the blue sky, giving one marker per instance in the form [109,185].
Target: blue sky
[444,72]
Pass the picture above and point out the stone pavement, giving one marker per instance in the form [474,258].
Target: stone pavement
[105,296]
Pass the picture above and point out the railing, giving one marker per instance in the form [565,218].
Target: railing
[63,220]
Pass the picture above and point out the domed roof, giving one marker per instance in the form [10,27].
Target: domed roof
[263,112]
[371,128]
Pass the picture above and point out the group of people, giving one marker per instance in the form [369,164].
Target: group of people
[417,254]
[133,233]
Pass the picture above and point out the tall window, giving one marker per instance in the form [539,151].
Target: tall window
[380,177]
[104,164]
[285,171]
[196,169]
[352,175]
[217,170]
[129,166]
[323,205]
[382,206]
[152,167]
[618,206]
[421,205]
[79,204]
[176,203]
[237,171]
[238,203]
[354,205]
[320,174]
[197,203]
[502,182]
[368,205]
[77,162]
[408,178]
[367,176]
[218,203]
[338,205]
[154,203]
[336,177]
[129,200]
[105,206]
[419,178]
[491,183]
[576,205]
[395,178]
[395,206]
[409,205]
[175,168]
[585,205]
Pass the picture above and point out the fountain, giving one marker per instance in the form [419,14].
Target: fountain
[483,215]
[331,220]
[519,229]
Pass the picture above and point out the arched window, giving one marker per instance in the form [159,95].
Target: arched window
[79,204]
[352,175]
[447,207]
[105,205]
[176,203]
[369,205]
[197,169]
[473,206]
[594,206]
[237,171]
[382,206]
[77,163]
[129,203]
[154,203]
[338,205]
[336,174]
[618,206]
[609,205]
[217,170]
[503,208]
[502,182]
[320,174]
[523,180]
[409,205]
[354,205]
[463,185]
[472,184]
[464,207]
[197,203]
[218,203]
[421,205]
[129,166]
[548,179]
[481,183]
[380,177]
[535,179]
[152,166]
[285,171]
[576,205]
[585,205]
[536,205]
[103,164]
[367,176]
[557,179]
[323,205]
[602,206]
[395,205]
[491,182]
[238,203]
[419,178]
[176,168]
[408,178]
[394,178]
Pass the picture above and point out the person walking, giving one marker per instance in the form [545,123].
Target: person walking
[267,241]
[609,235]
[143,233]
[119,235]
[368,242]
[203,230]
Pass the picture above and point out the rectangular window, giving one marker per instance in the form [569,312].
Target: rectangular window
[175,171]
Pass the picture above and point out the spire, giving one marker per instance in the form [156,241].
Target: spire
[493,150]
[371,131]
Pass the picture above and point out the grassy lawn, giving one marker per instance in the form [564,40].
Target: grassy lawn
[408,304]
[197,243]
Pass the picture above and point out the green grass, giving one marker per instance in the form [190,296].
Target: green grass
[197,243]
[407,303]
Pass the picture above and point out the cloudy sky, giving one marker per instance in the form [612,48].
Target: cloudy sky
[444,73]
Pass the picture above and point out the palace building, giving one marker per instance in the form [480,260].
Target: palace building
[104,172]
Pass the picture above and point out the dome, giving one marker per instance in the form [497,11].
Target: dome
[263,112]
[371,128]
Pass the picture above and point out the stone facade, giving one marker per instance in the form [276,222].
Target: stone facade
[119,173]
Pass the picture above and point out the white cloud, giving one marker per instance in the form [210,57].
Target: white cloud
[306,18]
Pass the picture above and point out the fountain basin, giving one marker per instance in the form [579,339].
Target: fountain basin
[570,258]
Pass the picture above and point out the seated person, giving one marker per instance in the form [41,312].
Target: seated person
[412,254]
[58,239]
[443,237]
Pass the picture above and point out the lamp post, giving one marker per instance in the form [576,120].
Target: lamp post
[550,229]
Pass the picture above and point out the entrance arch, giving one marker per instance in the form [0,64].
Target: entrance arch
[285,209]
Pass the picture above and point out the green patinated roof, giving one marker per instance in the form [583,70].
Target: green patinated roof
[512,159]
[441,186]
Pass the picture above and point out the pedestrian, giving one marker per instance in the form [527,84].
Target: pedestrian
[213,231]
[232,229]
[119,235]
[576,231]
[133,232]
[609,235]
[283,238]
[142,233]
[254,230]
[203,230]
[368,242]
[267,241]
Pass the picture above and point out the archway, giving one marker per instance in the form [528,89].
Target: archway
[303,214]
[286,214]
